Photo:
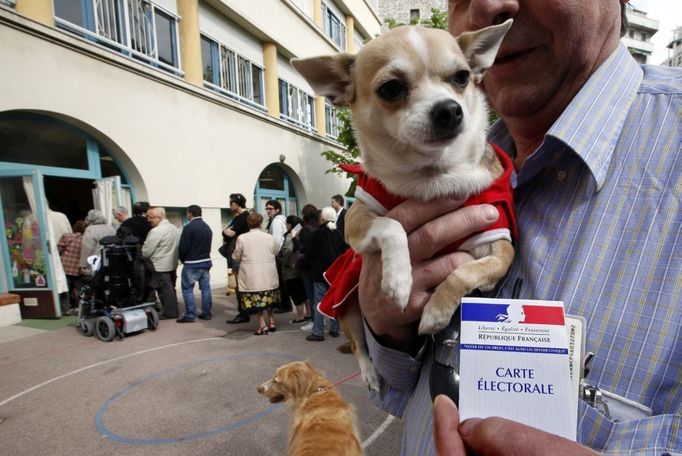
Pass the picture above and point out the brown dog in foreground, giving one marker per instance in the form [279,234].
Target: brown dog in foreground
[323,423]
[420,118]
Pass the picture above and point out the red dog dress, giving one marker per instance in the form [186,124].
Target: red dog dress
[343,275]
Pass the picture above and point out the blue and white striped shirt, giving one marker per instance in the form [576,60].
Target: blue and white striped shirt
[599,209]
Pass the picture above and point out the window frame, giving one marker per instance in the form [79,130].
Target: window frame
[294,100]
[122,24]
[229,68]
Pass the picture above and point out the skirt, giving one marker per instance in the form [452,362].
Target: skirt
[296,290]
[256,301]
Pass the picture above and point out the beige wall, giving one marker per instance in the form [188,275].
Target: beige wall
[284,26]
[180,144]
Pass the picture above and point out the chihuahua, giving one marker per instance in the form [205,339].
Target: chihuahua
[420,120]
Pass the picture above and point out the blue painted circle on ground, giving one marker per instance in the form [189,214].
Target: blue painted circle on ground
[99,420]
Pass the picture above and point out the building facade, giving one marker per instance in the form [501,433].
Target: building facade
[675,47]
[108,102]
[638,35]
[408,11]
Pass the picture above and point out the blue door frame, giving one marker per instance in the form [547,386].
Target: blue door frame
[283,196]
[37,179]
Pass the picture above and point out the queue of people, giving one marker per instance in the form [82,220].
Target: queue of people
[161,246]
[300,249]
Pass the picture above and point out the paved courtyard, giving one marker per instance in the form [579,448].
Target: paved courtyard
[183,389]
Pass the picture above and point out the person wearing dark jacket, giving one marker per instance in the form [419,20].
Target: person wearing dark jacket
[137,225]
[194,252]
[236,228]
[324,246]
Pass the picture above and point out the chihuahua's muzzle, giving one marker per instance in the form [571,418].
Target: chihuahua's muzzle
[446,118]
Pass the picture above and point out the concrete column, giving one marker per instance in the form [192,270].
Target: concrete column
[350,34]
[317,12]
[190,41]
[319,116]
[38,10]
[271,80]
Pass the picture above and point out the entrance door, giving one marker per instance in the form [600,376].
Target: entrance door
[109,194]
[275,184]
[27,257]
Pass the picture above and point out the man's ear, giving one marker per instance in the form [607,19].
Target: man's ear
[480,47]
[330,76]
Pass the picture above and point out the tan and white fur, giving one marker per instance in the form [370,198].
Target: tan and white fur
[323,423]
[420,120]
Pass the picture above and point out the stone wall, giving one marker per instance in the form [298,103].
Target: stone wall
[400,9]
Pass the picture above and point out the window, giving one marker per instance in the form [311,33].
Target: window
[332,121]
[296,106]
[414,16]
[231,74]
[139,29]
[334,27]
[24,140]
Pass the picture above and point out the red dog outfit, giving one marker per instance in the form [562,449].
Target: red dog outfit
[343,275]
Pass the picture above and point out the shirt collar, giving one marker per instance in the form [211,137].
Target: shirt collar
[592,122]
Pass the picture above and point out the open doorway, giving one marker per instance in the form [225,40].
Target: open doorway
[69,196]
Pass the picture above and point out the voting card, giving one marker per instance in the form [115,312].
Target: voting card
[514,363]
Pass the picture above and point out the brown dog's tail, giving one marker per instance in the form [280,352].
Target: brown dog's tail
[346,347]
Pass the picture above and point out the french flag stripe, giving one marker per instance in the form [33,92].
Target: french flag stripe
[496,313]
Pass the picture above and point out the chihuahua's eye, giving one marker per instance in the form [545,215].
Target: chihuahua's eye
[393,90]
[461,78]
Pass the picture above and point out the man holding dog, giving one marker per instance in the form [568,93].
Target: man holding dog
[597,144]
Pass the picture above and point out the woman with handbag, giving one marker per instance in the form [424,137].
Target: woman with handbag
[236,228]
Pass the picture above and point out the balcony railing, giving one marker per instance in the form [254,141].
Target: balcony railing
[139,29]
[10,3]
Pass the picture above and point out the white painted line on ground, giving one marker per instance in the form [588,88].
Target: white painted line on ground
[380,430]
[77,371]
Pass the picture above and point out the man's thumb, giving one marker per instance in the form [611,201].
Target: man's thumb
[445,423]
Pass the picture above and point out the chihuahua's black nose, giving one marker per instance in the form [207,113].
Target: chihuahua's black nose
[446,116]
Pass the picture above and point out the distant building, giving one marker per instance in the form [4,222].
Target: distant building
[406,11]
[638,35]
[675,44]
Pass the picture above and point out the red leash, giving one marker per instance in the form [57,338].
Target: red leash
[346,379]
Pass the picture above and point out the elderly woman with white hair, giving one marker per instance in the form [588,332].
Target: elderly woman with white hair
[97,228]
[323,247]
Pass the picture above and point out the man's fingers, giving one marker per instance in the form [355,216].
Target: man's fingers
[497,436]
[430,238]
[430,274]
[445,423]
[412,214]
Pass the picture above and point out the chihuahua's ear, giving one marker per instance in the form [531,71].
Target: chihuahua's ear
[480,47]
[330,76]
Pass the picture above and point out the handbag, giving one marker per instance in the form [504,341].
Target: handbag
[227,248]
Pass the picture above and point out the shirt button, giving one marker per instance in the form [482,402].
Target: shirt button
[561,176]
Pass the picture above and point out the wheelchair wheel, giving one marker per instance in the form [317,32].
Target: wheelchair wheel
[105,329]
[152,318]
[86,327]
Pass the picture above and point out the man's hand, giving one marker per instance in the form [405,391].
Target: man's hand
[229,233]
[430,227]
[494,436]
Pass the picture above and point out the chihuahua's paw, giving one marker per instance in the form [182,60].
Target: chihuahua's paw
[436,315]
[432,322]
[370,377]
[396,284]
